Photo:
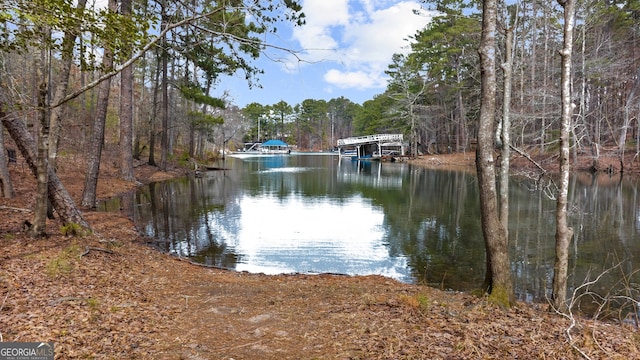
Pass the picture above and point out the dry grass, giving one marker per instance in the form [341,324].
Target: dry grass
[134,302]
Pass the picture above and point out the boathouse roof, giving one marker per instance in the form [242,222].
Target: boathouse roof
[274,143]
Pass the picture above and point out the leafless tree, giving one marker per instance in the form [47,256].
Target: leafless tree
[94,151]
[126,111]
[498,277]
[5,179]
[564,233]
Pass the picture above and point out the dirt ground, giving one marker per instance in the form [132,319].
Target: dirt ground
[109,295]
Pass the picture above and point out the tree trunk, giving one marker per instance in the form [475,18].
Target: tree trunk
[5,179]
[39,223]
[126,112]
[58,195]
[461,133]
[414,135]
[138,126]
[506,128]
[192,138]
[94,152]
[498,281]
[563,231]
[154,113]
[61,90]
[533,60]
[164,142]
[545,75]
[583,101]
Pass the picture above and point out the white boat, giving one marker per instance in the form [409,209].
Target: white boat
[271,147]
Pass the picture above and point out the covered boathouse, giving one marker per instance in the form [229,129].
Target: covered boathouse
[373,147]
[275,147]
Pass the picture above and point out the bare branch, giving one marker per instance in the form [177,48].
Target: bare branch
[602,301]
[528,157]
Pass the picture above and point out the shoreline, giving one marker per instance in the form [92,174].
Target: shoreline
[112,295]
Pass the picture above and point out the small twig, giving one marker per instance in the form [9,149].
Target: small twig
[89,248]
[240,346]
[66,298]
[14,208]
[2,306]
[186,300]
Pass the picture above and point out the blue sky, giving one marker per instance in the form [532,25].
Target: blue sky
[343,50]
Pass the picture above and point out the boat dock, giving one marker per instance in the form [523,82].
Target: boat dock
[372,147]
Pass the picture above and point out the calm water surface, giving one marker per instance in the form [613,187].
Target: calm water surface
[317,214]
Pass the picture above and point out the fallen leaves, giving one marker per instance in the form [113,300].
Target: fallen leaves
[134,302]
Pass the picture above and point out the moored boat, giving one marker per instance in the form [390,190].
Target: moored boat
[270,147]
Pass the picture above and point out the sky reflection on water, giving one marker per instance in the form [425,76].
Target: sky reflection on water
[316,214]
[296,234]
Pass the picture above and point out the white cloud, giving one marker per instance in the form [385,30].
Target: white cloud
[354,79]
[326,12]
[357,38]
[315,37]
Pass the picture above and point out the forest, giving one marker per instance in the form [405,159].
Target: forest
[138,76]
[542,78]
[160,60]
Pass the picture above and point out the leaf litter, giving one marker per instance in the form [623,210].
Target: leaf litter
[111,296]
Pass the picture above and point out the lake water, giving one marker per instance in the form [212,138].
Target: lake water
[308,213]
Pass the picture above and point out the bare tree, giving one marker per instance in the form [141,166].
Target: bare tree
[407,86]
[126,112]
[564,233]
[39,223]
[164,140]
[498,277]
[628,109]
[505,127]
[5,180]
[154,111]
[55,123]
[94,151]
